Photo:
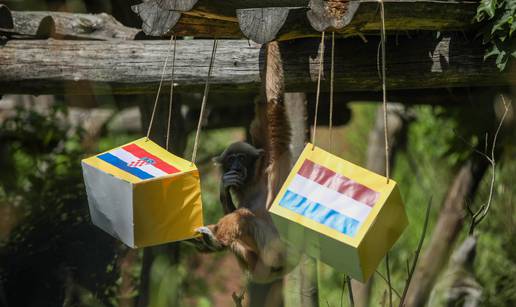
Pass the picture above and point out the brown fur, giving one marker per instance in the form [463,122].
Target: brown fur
[249,231]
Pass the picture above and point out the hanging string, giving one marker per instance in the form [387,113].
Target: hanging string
[384,92]
[159,88]
[321,60]
[171,91]
[203,105]
[330,126]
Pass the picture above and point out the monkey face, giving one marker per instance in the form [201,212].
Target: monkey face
[237,168]
[238,164]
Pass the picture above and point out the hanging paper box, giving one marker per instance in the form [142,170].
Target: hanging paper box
[340,213]
[143,195]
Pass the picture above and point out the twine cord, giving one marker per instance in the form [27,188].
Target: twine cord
[171,93]
[203,104]
[332,75]
[321,60]
[384,91]
[159,88]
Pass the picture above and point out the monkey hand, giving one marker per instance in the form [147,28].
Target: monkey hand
[232,179]
[207,241]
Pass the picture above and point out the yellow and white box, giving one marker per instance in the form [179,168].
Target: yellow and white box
[143,195]
[338,212]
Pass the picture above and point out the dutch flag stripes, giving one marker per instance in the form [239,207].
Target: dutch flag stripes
[328,198]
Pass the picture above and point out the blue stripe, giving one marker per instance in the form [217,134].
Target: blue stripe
[115,161]
[319,213]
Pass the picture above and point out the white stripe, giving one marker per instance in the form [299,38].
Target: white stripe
[329,198]
[128,157]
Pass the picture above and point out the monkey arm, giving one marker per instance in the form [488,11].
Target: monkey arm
[243,229]
[225,198]
[229,180]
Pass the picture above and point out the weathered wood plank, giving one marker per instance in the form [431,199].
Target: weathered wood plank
[131,67]
[155,20]
[334,14]
[263,24]
[187,5]
[401,15]
[206,28]
[63,25]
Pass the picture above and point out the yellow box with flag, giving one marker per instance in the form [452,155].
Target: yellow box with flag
[143,195]
[338,212]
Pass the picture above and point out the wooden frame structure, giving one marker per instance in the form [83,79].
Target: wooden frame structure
[81,54]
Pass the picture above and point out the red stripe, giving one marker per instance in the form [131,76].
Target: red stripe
[339,183]
[142,153]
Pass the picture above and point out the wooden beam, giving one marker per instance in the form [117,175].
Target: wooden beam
[134,67]
[61,25]
[401,15]
[187,5]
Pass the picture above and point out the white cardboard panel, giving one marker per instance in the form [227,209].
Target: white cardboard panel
[111,203]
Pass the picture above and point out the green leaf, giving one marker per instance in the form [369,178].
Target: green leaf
[513,28]
[486,7]
[492,51]
[501,60]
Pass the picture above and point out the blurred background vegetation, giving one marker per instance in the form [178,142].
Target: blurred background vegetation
[51,254]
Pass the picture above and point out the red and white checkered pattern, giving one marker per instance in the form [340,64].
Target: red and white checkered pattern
[137,163]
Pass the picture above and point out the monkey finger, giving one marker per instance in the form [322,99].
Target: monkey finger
[232,183]
[235,176]
[208,237]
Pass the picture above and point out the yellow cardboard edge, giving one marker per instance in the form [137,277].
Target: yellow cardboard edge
[343,257]
[149,198]
[359,174]
[383,233]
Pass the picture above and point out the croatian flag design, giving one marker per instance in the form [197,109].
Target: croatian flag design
[328,198]
[138,162]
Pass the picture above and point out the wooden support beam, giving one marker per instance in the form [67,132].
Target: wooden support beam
[301,21]
[187,5]
[134,67]
[281,23]
[61,25]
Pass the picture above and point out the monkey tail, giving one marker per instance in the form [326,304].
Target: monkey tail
[278,125]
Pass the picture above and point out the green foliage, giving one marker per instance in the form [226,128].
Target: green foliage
[165,282]
[496,252]
[499,17]
[53,250]
[496,271]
